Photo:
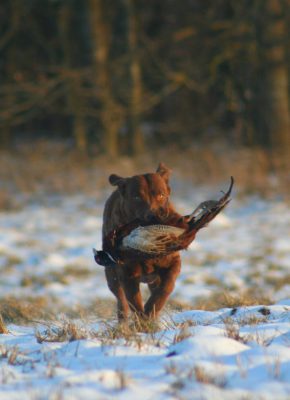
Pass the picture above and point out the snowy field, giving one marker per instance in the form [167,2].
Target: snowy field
[53,294]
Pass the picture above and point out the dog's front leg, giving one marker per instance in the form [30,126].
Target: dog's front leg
[131,283]
[164,287]
[114,284]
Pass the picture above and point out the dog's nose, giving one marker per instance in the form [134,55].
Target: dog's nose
[162,212]
[155,213]
[149,215]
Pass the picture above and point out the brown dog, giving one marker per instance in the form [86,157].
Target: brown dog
[141,197]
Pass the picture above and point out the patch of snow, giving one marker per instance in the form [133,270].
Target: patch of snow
[208,361]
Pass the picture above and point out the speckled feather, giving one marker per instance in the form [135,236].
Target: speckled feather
[152,238]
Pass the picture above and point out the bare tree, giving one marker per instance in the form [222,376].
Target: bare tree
[136,134]
[277,77]
[111,113]
[73,81]
[14,19]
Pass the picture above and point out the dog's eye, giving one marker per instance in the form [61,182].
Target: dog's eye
[137,198]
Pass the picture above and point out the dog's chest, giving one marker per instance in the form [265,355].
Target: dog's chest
[149,273]
[150,269]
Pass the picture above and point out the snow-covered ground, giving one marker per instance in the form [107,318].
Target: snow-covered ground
[195,355]
[231,353]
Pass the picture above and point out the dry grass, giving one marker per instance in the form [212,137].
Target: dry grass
[174,305]
[10,262]
[14,355]
[225,299]
[233,327]
[252,320]
[24,310]
[277,282]
[129,333]
[28,310]
[202,376]
[186,375]
[99,308]
[137,332]
[232,331]
[64,277]
[46,167]
[3,328]
[213,281]
[123,380]
[184,331]
[64,331]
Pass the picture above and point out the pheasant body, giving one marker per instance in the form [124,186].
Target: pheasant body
[152,238]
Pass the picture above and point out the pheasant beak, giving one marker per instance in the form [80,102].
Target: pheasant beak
[96,256]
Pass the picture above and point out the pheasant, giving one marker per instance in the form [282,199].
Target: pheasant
[146,240]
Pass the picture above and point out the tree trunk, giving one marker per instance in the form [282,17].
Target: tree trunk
[73,82]
[80,132]
[111,113]
[135,131]
[277,77]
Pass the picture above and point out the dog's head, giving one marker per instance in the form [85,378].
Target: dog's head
[144,196]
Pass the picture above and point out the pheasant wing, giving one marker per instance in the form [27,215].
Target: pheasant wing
[203,214]
[208,210]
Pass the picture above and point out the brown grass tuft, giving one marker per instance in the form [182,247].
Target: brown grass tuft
[3,329]
[202,376]
[232,331]
[64,277]
[277,282]
[129,332]
[66,331]
[25,310]
[224,299]
[185,375]
[184,332]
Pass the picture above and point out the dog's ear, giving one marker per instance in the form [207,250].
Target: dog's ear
[163,171]
[116,180]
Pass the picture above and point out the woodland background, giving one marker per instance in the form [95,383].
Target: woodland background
[201,80]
